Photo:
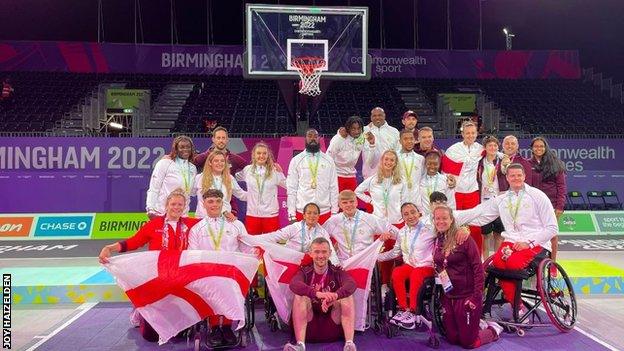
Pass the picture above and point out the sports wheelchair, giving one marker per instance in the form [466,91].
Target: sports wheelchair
[552,290]
[429,309]
[200,331]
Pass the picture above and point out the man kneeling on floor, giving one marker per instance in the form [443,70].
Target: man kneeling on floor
[323,309]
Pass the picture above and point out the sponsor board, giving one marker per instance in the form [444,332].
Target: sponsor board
[612,222]
[117,225]
[63,226]
[576,223]
[15,226]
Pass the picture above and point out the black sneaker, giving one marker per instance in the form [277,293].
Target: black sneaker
[229,338]
[215,337]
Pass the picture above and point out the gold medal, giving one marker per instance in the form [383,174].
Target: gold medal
[313,185]
[410,185]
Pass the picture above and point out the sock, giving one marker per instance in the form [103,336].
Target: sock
[349,342]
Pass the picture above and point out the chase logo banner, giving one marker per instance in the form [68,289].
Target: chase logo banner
[64,226]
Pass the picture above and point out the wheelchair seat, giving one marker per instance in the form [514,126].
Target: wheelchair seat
[520,274]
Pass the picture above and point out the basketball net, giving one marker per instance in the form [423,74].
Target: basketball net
[309,69]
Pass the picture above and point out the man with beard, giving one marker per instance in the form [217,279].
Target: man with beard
[312,178]
[345,148]
[386,138]
[410,120]
[219,142]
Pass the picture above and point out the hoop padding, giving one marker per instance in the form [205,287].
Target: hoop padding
[309,69]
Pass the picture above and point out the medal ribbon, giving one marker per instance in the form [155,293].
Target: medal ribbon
[408,170]
[404,246]
[186,175]
[345,231]
[259,184]
[313,167]
[216,239]
[303,234]
[514,209]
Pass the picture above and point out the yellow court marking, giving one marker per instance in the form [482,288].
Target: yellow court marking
[590,269]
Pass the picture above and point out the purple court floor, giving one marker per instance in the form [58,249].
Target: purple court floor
[106,327]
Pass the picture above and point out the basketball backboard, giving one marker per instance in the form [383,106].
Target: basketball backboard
[277,34]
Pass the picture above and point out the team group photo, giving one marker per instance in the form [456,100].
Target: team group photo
[316,175]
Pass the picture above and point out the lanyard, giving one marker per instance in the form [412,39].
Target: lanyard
[303,234]
[313,168]
[440,247]
[408,169]
[432,186]
[220,181]
[490,172]
[322,280]
[345,231]
[259,184]
[216,239]
[417,231]
[513,209]
[186,175]
[359,140]
[386,194]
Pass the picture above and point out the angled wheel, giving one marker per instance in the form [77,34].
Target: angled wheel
[557,295]
[435,306]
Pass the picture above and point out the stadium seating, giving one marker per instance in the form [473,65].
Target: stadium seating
[257,106]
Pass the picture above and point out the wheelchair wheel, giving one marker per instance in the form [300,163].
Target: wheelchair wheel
[249,310]
[557,295]
[435,306]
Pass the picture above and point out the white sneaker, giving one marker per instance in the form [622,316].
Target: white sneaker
[408,321]
[483,324]
[521,314]
[349,346]
[295,347]
[397,317]
[497,327]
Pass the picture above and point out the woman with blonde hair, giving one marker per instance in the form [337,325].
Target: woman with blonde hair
[173,171]
[459,270]
[167,232]
[387,193]
[387,189]
[262,176]
[216,175]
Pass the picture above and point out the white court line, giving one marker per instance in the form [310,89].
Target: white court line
[589,335]
[596,339]
[84,308]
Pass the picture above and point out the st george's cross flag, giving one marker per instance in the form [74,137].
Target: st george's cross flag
[282,263]
[462,162]
[174,290]
[360,267]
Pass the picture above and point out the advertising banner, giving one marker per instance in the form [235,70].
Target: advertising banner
[580,223]
[228,60]
[612,222]
[55,175]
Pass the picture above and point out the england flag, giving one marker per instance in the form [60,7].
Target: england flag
[282,264]
[174,290]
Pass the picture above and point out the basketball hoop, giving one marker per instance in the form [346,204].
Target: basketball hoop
[309,69]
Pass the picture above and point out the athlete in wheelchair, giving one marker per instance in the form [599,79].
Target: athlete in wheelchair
[216,233]
[530,222]
[415,243]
